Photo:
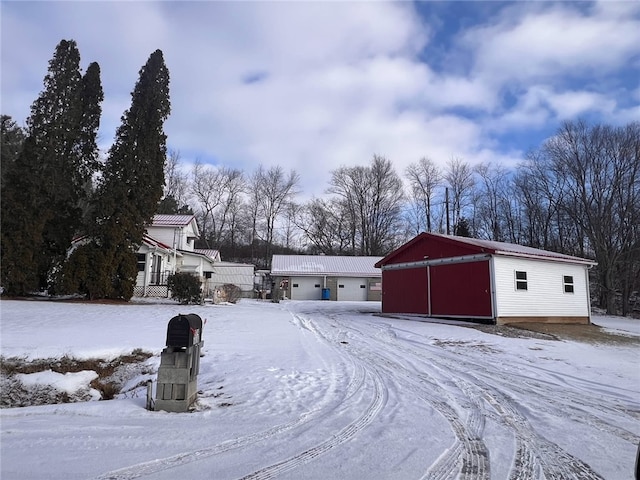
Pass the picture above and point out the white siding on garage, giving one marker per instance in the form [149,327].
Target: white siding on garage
[306,288]
[352,289]
[545,294]
[239,274]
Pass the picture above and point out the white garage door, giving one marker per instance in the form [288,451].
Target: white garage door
[353,289]
[306,288]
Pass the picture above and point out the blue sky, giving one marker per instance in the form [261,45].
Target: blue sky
[314,86]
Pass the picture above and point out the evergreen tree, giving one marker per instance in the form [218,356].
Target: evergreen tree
[44,188]
[11,140]
[74,171]
[130,188]
[461,228]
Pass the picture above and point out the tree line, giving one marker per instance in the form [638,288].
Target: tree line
[578,193]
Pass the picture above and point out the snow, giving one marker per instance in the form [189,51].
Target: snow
[319,390]
[69,382]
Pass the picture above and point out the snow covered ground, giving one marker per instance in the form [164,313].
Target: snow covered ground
[326,390]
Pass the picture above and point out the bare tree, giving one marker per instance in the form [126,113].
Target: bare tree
[272,191]
[492,201]
[540,192]
[290,230]
[459,177]
[326,227]
[424,177]
[373,197]
[218,192]
[601,169]
[176,181]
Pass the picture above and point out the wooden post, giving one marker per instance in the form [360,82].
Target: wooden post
[149,395]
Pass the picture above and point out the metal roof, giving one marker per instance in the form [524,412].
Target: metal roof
[314,265]
[152,242]
[512,249]
[487,246]
[171,220]
[209,252]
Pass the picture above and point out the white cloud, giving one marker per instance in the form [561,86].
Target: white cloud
[573,104]
[318,85]
[529,42]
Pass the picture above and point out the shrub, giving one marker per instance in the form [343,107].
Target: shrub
[232,293]
[185,288]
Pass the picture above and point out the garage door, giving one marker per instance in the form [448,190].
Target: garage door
[306,288]
[352,289]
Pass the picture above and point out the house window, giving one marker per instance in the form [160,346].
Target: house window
[317,285]
[567,282]
[142,261]
[521,280]
[363,286]
[340,286]
[295,285]
[208,274]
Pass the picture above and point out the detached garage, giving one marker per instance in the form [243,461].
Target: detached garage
[325,277]
[457,277]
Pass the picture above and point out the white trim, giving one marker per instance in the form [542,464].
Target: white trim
[429,291]
[492,285]
[437,261]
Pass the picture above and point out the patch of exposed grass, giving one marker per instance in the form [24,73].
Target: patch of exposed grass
[112,374]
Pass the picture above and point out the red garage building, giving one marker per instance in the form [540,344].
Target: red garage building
[457,277]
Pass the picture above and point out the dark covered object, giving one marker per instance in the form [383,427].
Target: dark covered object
[184,331]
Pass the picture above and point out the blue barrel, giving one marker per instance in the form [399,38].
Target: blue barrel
[326,293]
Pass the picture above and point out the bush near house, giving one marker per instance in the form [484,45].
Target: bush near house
[231,293]
[185,288]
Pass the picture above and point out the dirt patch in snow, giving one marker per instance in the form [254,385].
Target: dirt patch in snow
[592,334]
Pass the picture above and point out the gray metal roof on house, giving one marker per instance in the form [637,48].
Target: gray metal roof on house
[171,220]
[321,265]
[209,252]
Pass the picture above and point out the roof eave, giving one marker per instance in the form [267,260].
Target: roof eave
[549,258]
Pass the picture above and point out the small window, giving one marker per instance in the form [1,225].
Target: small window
[208,274]
[340,286]
[142,260]
[521,280]
[295,285]
[317,285]
[363,286]
[568,283]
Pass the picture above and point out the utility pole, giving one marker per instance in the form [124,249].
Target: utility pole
[446,202]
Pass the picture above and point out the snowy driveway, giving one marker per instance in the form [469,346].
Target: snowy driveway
[319,390]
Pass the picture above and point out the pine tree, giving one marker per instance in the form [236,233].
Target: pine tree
[11,141]
[131,186]
[74,171]
[45,186]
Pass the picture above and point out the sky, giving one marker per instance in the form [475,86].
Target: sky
[315,86]
[318,390]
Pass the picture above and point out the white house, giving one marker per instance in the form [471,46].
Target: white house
[169,247]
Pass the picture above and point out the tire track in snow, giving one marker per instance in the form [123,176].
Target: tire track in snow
[378,402]
[380,395]
[467,458]
[534,453]
[573,406]
[534,456]
[356,383]
[468,455]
